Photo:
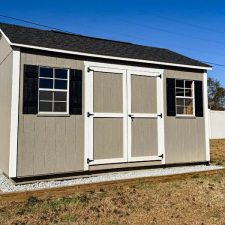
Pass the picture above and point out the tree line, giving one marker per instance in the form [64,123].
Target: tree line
[216,94]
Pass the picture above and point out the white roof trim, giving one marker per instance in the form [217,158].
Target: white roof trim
[103,56]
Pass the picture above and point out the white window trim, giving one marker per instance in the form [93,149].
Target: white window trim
[184,97]
[53,89]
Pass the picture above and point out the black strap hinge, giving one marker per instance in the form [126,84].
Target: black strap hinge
[89,160]
[89,69]
[160,115]
[160,76]
[161,156]
[89,114]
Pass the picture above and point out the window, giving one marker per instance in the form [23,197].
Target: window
[185,97]
[53,90]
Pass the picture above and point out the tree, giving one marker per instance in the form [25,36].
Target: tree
[216,94]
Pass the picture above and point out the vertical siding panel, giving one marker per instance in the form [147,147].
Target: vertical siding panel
[56,143]
[40,145]
[50,145]
[79,142]
[184,137]
[60,145]
[6,60]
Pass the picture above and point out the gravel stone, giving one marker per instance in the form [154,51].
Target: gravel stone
[6,185]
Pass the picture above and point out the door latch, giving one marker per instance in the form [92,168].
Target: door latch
[90,114]
[89,160]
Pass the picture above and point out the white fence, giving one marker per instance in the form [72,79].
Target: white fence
[216,124]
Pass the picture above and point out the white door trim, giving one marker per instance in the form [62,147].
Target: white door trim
[14,114]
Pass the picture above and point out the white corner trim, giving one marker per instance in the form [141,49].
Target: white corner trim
[206,116]
[14,114]
[103,56]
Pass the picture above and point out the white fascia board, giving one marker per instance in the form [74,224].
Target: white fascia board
[14,114]
[104,56]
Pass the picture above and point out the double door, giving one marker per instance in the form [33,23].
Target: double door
[124,115]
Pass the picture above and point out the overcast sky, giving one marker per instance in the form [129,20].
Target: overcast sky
[193,28]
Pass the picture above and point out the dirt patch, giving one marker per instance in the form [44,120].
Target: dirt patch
[193,200]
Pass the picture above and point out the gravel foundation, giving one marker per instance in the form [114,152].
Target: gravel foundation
[7,185]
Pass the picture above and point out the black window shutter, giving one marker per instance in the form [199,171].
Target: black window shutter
[75,92]
[30,89]
[170,97]
[198,99]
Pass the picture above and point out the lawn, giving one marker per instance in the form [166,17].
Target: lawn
[194,200]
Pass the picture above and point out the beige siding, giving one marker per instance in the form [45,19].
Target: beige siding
[108,138]
[6,61]
[143,94]
[49,144]
[108,92]
[144,137]
[56,144]
[184,137]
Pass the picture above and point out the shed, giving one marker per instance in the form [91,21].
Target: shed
[71,103]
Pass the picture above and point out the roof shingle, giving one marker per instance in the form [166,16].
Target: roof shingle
[78,43]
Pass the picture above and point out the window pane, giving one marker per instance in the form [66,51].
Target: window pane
[179,92]
[188,84]
[46,95]
[188,92]
[180,101]
[60,96]
[60,107]
[188,102]
[46,72]
[180,83]
[180,110]
[60,84]
[189,110]
[46,83]
[45,106]
[60,73]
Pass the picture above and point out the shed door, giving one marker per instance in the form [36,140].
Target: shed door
[123,116]
[145,133]
[107,116]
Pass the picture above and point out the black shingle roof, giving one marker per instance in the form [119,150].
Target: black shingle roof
[84,44]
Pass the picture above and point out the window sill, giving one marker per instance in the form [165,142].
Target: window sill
[53,115]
